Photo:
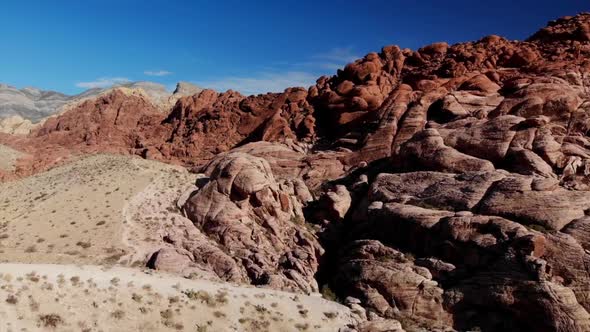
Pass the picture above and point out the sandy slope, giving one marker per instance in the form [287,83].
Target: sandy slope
[42,297]
[8,157]
[78,213]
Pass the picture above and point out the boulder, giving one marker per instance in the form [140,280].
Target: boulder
[244,211]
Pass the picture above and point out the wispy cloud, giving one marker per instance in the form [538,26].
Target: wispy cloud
[338,54]
[333,59]
[283,74]
[157,72]
[262,82]
[102,82]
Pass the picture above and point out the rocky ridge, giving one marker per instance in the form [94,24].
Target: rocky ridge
[23,110]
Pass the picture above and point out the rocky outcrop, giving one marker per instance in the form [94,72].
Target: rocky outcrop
[15,125]
[35,105]
[390,284]
[482,262]
[196,122]
[103,124]
[258,222]
[186,89]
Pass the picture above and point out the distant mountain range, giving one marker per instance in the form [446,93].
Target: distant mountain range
[34,104]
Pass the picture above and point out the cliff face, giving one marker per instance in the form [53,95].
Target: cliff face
[451,182]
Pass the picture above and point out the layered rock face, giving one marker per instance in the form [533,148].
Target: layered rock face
[257,223]
[196,122]
[483,262]
[487,187]
[450,183]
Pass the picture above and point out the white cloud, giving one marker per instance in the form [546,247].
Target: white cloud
[282,74]
[338,54]
[262,82]
[103,82]
[157,72]
[334,59]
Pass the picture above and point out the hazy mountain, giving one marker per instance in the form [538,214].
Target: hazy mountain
[29,103]
[34,104]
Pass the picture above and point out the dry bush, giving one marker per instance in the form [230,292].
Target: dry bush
[51,320]
[118,314]
[11,299]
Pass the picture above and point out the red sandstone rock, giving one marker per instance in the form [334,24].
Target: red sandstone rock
[244,210]
[485,160]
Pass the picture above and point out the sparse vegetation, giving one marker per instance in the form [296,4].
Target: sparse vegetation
[166,314]
[219,314]
[118,314]
[136,297]
[51,320]
[83,244]
[539,228]
[302,326]
[329,294]
[303,313]
[331,314]
[31,249]
[11,299]
[202,296]
[260,308]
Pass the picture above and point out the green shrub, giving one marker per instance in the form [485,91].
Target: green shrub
[329,294]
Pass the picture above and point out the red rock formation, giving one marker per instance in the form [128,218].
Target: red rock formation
[485,156]
[258,222]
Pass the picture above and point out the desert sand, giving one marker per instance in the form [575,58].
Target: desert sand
[44,297]
[8,157]
[80,212]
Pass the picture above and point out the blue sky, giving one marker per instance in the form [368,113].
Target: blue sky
[249,46]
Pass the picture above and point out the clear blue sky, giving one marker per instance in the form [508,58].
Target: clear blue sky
[251,46]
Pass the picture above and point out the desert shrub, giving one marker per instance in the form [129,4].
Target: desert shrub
[84,245]
[202,296]
[11,299]
[31,249]
[329,294]
[118,314]
[166,314]
[302,327]
[296,219]
[218,314]
[539,228]
[51,320]
[136,297]
[331,314]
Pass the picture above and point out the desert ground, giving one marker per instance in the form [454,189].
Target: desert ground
[8,157]
[85,212]
[44,297]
